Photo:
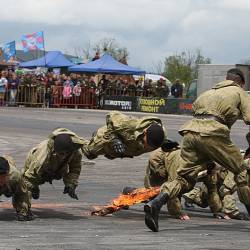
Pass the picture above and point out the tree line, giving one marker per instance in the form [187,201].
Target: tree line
[182,66]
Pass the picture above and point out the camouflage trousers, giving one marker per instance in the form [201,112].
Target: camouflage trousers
[197,150]
[156,175]
[200,197]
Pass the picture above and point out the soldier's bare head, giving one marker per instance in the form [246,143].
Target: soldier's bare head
[153,136]
[4,171]
[236,75]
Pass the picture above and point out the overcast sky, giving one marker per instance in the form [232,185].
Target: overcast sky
[150,29]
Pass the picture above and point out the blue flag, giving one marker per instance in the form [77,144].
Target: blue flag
[9,50]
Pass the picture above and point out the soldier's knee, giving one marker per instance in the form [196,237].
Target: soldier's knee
[243,189]
[244,194]
[215,202]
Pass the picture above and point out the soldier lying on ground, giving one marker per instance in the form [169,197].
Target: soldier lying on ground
[206,139]
[55,158]
[222,184]
[162,166]
[12,185]
[126,136]
[220,197]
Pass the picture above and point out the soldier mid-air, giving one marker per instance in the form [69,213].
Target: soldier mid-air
[206,139]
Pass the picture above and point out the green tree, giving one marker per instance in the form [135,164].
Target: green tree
[199,59]
[184,66]
[110,46]
[106,45]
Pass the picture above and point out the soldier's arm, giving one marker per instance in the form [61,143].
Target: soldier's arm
[214,199]
[245,106]
[71,179]
[101,142]
[33,169]
[20,198]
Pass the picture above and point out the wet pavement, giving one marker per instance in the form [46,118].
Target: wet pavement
[63,223]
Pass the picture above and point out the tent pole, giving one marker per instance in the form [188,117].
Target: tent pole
[44,52]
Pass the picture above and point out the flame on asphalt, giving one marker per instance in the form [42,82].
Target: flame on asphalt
[139,195]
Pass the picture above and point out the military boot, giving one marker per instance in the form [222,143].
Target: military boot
[128,190]
[152,210]
[238,216]
[248,209]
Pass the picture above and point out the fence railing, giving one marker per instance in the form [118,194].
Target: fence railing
[66,96]
[86,97]
[35,95]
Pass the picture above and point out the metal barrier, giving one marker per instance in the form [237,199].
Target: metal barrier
[35,95]
[86,98]
[26,95]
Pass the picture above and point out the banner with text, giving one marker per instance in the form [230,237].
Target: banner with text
[164,105]
[122,103]
[148,104]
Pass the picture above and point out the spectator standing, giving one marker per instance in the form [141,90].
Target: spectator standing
[48,98]
[13,85]
[103,84]
[177,89]
[3,86]
[139,88]
[77,89]
[161,88]
[67,88]
[97,56]
[148,87]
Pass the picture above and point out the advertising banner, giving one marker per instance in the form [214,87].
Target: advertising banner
[152,105]
[164,105]
[148,104]
[122,103]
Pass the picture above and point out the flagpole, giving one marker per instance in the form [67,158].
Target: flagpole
[44,52]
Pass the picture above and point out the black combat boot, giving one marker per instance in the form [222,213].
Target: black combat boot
[238,216]
[128,190]
[152,210]
[248,209]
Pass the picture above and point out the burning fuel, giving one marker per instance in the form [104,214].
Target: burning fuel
[139,195]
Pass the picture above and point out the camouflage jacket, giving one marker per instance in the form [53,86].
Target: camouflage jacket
[128,129]
[227,101]
[42,164]
[16,188]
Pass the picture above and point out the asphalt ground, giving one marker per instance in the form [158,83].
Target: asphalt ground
[64,223]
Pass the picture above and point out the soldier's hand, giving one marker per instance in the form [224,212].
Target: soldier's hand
[71,191]
[109,157]
[118,147]
[35,192]
[24,217]
[169,145]
[248,138]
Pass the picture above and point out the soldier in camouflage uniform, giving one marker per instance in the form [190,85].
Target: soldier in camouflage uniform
[126,136]
[224,205]
[12,185]
[222,182]
[162,166]
[55,158]
[206,138]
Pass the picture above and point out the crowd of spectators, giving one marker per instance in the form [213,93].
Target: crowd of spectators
[65,86]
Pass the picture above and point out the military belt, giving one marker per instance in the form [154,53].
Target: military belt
[210,117]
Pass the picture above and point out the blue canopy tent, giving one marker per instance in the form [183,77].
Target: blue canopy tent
[53,59]
[106,65]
